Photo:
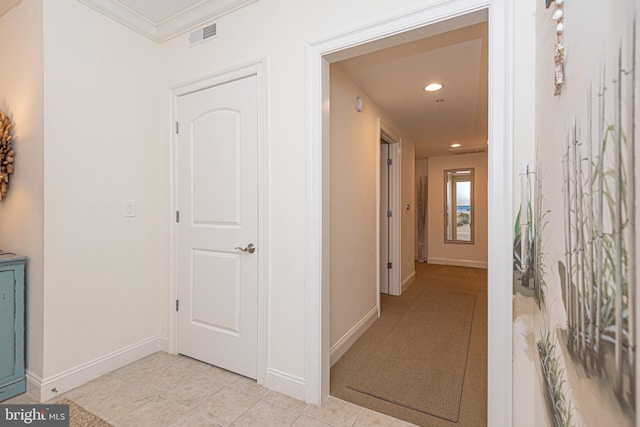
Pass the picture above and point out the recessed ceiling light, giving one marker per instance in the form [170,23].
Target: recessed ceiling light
[456,145]
[433,87]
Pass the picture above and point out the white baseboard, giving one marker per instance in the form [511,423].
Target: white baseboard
[343,344]
[284,383]
[408,281]
[42,390]
[164,343]
[33,386]
[458,262]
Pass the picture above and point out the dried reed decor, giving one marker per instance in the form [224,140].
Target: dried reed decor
[600,229]
[6,153]
[558,54]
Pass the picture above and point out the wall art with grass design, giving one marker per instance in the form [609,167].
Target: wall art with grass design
[597,274]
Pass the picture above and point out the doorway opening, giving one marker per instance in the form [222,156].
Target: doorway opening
[388,83]
[398,30]
[390,172]
[239,96]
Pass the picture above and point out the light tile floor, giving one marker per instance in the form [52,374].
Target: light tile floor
[168,390]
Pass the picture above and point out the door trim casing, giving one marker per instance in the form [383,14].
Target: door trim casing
[256,68]
[318,57]
[383,132]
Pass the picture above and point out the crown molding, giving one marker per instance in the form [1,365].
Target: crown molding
[167,28]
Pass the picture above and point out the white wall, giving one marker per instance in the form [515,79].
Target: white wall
[265,29]
[353,220]
[472,255]
[524,88]
[22,211]
[524,84]
[104,274]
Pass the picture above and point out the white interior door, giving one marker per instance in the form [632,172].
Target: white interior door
[384,218]
[217,231]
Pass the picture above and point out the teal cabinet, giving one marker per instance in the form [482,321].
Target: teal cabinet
[12,377]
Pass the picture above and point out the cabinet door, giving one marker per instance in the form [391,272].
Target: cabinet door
[8,322]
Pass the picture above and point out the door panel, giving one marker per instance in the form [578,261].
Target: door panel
[384,219]
[216,153]
[7,320]
[216,278]
[218,202]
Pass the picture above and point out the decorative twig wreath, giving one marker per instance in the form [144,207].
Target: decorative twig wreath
[6,153]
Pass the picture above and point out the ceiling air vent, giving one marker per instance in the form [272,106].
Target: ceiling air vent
[203,34]
[467,150]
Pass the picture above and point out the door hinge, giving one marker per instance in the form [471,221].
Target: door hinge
[177,305]
[389,162]
[389,213]
[177,127]
[177,216]
[389,265]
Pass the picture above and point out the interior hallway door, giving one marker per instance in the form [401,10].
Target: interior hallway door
[217,231]
[385,209]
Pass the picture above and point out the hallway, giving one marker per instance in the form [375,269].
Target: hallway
[473,407]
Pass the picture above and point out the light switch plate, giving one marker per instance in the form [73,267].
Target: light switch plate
[128,208]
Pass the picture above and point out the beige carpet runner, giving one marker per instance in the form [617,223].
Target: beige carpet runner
[420,364]
[80,417]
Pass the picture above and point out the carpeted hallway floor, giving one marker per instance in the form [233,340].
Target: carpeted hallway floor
[473,407]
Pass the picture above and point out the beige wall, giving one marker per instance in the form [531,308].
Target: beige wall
[353,222]
[104,274]
[473,255]
[408,209]
[22,212]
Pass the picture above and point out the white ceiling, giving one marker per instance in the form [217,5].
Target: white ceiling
[159,11]
[395,78]
[161,20]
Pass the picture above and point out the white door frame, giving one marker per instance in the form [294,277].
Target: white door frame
[499,191]
[395,190]
[257,68]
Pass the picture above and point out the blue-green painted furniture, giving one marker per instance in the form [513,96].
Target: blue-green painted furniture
[12,378]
